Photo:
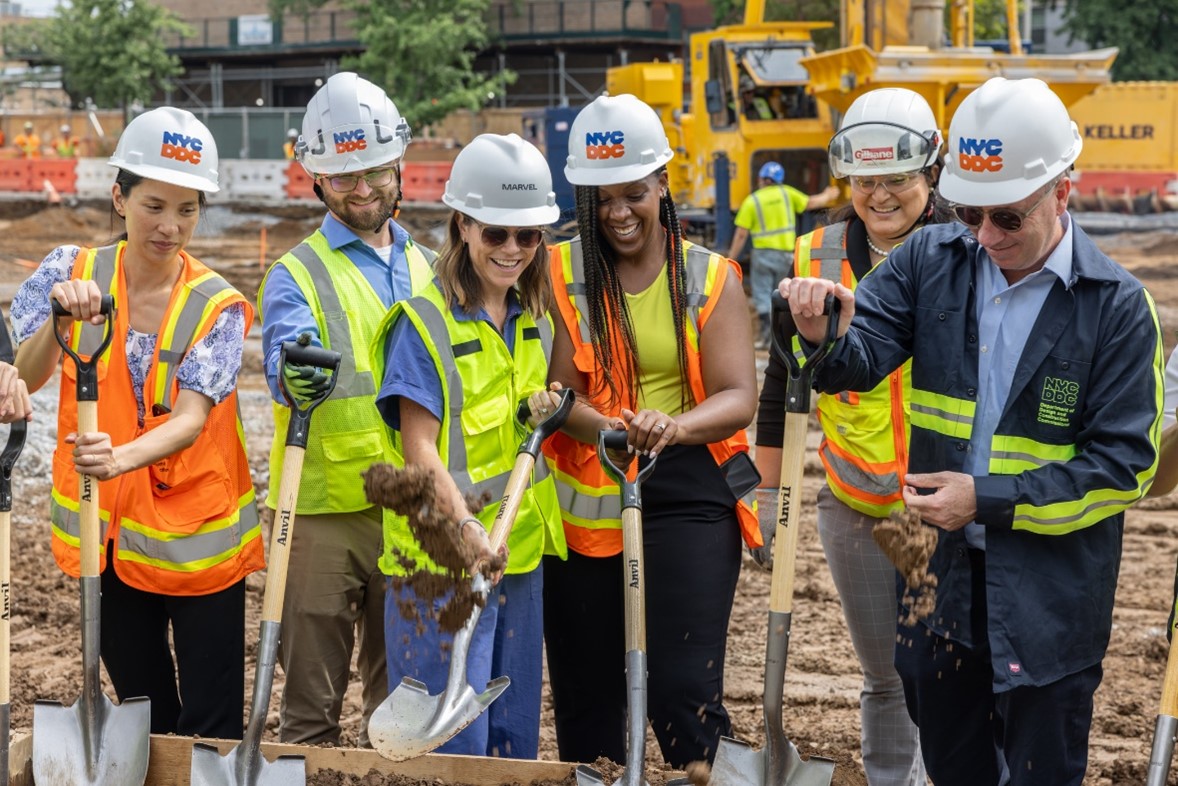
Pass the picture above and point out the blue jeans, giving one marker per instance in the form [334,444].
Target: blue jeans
[508,640]
[767,266]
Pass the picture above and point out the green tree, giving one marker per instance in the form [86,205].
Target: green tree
[111,51]
[1144,33]
[421,52]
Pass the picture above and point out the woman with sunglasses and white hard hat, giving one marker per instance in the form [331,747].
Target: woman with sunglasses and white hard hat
[655,332]
[177,501]
[1036,412]
[888,147]
[458,359]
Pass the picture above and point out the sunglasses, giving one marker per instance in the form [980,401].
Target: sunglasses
[1005,218]
[526,238]
[375,179]
[893,184]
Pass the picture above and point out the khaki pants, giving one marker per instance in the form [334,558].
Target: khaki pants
[334,591]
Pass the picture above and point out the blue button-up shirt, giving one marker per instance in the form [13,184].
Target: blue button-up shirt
[1006,316]
[287,312]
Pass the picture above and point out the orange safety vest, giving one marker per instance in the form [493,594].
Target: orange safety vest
[864,435]
[589,500]
[187,524]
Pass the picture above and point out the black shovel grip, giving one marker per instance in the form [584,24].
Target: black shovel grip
[301,353]
[546,427]
[783,329]
[87,369]
[617,439]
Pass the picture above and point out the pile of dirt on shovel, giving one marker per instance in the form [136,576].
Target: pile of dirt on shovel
[910,544]
[410,492]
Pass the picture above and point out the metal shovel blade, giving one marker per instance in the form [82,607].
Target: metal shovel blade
[587,776]
[411,722]
[737,764]
[107,746]
[244,767]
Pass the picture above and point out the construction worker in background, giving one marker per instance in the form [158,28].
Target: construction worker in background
[337,285]
[493,292]
[28,142]
[288,147]
[865,436]
[181,523]
[1037,379]
[66,144]
[655,331]
[769,215]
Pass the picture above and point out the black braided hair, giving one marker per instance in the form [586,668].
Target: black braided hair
[605,296]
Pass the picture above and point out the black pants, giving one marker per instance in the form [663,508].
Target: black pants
[692,553]
[209,634]
[968,733]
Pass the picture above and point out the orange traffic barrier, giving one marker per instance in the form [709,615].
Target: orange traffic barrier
[15,174]
[425,181]
[61,174]
[298,183]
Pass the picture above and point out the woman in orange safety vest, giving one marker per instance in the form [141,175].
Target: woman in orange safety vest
[655,332]
[180,527]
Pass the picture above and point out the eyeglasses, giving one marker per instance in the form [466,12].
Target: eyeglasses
[1005,218]
[893,184]
[375,179]
[526,238]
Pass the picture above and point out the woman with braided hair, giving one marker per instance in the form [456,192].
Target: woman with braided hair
[655,333]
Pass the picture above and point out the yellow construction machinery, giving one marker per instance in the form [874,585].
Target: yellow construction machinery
[759,91]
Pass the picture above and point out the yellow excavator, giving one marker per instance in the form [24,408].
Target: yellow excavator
[759,90]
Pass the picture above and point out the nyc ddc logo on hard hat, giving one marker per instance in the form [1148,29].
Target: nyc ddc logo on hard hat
[979,155]
[181,148]
[604,144]
[349,141]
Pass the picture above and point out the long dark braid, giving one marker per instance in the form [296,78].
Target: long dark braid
[605,296]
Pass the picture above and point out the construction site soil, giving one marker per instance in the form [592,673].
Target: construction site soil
[822,680]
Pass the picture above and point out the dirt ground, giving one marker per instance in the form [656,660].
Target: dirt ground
[822,680]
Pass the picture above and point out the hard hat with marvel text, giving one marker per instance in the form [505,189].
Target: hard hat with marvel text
[1008,139]
[169,145]
[502,180]
[614,140]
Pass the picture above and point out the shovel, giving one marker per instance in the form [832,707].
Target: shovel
[635,610]
[411,722]
[244,765]
[1166,726]
[93,741]
[779,763]
[11,452]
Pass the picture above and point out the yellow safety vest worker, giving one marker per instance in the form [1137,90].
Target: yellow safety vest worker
[483,385]
[348,435]
[187,524]
[865,435]
[589,500]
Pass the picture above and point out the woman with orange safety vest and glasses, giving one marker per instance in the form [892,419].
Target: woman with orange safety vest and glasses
[865,435]
[655,332]
[458,359]
[180,528]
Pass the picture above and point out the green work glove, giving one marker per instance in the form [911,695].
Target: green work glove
[767,518]
[305,383]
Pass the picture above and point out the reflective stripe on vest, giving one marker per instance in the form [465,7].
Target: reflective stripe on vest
[349,435]
[157,553]
[491,434]
[785,229]
[589,499]
[865,435]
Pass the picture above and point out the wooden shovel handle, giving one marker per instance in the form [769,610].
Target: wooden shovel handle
[88,517]
[282,533]
[513,495]
[1170,683]
[6,608]
[789,497]
[633,579]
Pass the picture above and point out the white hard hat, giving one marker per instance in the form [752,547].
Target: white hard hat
[615,139]
[1007,139]
[885,132]
[169,145]
[65,129]
[502,180]
[350,125]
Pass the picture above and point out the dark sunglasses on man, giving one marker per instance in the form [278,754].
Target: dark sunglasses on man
[1005,218]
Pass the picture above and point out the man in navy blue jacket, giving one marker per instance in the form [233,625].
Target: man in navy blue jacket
[1036,410]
